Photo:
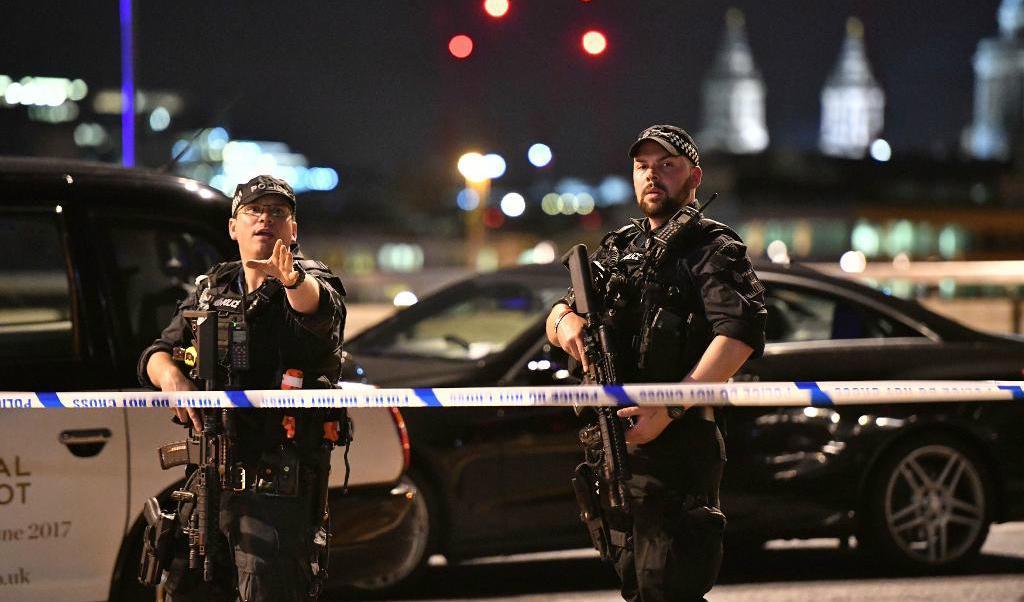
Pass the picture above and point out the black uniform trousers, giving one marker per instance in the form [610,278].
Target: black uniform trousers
[264,552]
[676,526]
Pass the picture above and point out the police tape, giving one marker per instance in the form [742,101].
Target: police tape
[744,394]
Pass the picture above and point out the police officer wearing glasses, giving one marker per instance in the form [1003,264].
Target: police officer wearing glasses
[706,311]
[270,543]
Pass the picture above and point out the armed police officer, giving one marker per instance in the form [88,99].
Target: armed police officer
[282,318]
[680,304]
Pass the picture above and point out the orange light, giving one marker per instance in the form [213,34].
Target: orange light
[496,8]
[461,46]
[594,42]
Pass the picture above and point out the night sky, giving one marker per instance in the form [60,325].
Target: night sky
[370,85]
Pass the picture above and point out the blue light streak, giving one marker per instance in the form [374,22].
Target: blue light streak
[127,86]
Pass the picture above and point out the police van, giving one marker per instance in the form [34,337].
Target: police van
[95,260]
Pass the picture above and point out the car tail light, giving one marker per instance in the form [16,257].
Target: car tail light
[403,435]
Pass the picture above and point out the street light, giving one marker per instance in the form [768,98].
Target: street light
[478,170]
[473,167]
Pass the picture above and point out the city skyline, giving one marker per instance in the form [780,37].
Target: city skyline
[372,87]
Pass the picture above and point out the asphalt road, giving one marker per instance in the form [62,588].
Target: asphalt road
[816,571]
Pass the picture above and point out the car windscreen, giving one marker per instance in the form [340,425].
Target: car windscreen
[467,322]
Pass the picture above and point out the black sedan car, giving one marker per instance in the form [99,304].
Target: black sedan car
[918,483]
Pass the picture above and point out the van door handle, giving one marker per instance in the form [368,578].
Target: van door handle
[85,443]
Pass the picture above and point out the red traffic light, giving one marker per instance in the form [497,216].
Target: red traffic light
[461,46]
[594,42]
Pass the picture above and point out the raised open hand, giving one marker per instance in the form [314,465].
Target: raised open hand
[280,264]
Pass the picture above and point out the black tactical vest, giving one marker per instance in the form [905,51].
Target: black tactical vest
[655,309]
[273,349]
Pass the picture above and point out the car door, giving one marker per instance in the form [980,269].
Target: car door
[63,502]
[541,450]
[812,335]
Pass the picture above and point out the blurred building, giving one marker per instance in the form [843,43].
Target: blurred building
[734,91]
[999,88]
[852,102]
[211,155]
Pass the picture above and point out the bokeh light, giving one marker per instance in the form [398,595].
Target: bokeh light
[493,218]
[494,166]
[584,203]
[461,46]
[159,119]
[544,252]
[539,155]
[778,252]
[880,150]
[567,203]
[496,8]
[321,178]
[853,262]
[472,167]
[594,42]
[513,204]
[467,199]
[549,204]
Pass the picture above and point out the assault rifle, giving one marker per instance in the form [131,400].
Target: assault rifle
[600,481]
[211,450]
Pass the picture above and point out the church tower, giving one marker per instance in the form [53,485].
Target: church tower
[998,88]
[734,92]
[852,102]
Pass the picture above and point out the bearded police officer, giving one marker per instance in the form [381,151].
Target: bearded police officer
[696,316]
[271,538]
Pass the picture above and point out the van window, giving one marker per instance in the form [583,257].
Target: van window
[156,267]
[35,299]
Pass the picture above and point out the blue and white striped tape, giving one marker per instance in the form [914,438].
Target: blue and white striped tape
[752,394]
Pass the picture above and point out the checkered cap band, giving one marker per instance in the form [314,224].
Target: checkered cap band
[674,139]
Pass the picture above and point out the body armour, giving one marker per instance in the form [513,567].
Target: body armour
[664,314]
[279,339]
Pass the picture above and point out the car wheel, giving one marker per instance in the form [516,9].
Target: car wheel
[929,505]
[422,531]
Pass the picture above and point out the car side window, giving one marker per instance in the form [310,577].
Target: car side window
[156,265]
[467,323]
[796,314]
[35,299]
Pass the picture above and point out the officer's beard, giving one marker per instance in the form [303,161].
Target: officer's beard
[665,206]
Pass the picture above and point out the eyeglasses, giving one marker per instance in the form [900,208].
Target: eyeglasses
[274,211]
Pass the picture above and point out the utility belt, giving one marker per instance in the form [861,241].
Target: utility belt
[277,472]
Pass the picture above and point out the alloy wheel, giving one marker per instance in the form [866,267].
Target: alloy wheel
[935,505]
